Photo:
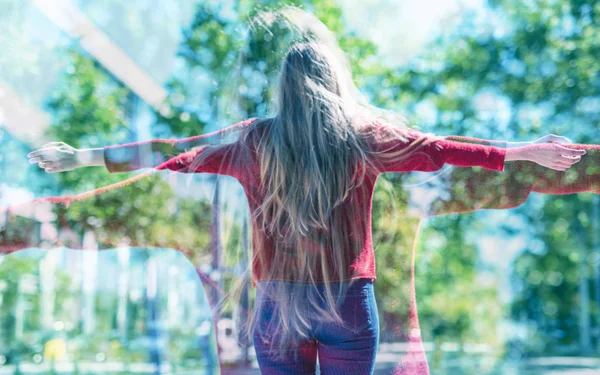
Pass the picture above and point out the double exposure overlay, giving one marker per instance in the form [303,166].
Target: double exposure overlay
[129,253]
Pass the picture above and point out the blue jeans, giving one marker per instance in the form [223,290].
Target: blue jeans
[343,348]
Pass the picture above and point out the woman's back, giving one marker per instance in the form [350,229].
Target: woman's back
[357,258]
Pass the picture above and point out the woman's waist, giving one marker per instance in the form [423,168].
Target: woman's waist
[350,286]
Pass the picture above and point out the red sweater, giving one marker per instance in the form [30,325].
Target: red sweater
[430,158]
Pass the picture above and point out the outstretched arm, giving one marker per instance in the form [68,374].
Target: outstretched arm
[402,150]
[471,189]
[60,157]
[150,154]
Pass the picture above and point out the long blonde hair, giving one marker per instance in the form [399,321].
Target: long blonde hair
[312,154]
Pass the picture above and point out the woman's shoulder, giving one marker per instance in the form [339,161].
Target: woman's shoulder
[255,127]
[378,129]
[253,132]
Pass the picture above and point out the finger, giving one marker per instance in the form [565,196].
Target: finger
[576,152]
[38,159]
[35,153]
[41,159]
[41,151]
[570,151]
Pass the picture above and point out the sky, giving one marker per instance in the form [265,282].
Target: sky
[401,29]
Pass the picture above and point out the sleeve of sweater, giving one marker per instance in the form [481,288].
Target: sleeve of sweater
[432,154]
[223,160]
[163,153]
[471,189]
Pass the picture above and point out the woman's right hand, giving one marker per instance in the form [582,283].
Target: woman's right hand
[55,157]
[549,155]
